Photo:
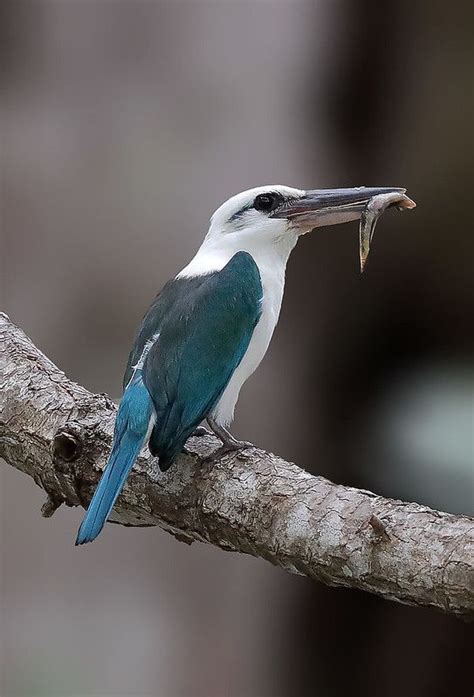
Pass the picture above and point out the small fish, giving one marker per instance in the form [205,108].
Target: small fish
[371,213]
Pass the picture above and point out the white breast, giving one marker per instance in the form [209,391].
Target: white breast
[273,281]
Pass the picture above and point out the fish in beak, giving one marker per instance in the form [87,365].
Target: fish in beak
[371,213]
[321,207]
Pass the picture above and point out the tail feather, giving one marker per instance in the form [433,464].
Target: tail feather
[121,461]
[132,429]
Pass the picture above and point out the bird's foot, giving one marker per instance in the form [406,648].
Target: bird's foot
[238,446]
[229,443]
[200,432]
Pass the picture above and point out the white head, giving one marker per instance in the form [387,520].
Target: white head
[267,221]
[248,214]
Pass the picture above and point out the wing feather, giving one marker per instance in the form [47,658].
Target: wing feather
[203,330]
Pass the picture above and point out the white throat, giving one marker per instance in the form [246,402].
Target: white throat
[216,251]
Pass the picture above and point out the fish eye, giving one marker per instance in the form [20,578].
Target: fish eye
[267,202]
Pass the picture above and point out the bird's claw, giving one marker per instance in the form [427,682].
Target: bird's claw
[201,431]
[234,446]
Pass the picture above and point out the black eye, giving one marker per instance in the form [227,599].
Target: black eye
[267,202]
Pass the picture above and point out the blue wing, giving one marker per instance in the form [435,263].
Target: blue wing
[200,341]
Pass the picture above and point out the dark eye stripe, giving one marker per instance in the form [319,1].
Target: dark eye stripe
[240,213]
[276,200]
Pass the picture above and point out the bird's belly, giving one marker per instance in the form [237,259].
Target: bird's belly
[223,412]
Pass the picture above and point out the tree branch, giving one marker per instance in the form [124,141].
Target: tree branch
[254,502]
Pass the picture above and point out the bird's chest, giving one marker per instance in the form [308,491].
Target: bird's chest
[273,281]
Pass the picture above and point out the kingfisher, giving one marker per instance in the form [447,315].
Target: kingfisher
[209,328]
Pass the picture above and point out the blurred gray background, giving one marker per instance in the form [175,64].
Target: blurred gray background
[123,126]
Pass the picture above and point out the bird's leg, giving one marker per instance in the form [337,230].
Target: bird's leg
[226,437]
[229,443]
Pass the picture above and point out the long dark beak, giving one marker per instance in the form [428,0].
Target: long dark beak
[321,207]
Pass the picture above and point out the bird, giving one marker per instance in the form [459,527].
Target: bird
[209,328]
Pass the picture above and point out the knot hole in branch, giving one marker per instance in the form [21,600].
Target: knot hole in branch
[66,446]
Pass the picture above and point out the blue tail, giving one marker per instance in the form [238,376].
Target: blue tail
[131,430]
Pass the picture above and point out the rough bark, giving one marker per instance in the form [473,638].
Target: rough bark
[253,502]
